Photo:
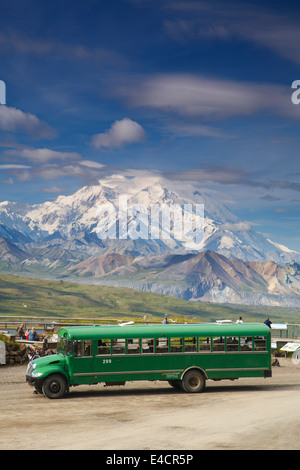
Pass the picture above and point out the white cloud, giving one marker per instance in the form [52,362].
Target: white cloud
[208,98]
[53,189]
[237,227]
[191,129]
[210,174]
[91,164]
[50,171]
[120,133]
[8,181]
[15,120]
[14,167]
[263,26]
[22,44]
[42,155]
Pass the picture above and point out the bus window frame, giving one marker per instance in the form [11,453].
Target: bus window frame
[256,340]
[114,347]
[162,340]
[200,343]
[82,342]
[150,342]
[109,347]
[215,343]
[175,348]
[193,343]
[133,351]
[164,345]
[236,345]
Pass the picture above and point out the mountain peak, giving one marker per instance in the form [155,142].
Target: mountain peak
[78,213]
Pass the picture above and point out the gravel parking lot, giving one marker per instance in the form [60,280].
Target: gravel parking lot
[244,414]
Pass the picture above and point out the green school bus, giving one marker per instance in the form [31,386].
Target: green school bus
[185,355]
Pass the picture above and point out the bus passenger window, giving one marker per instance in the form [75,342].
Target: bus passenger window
[232,344]
[260,343]
[83,348]
[162,345]
[77,348]
[246,343]
[147,346]
[176,345]
[190,344]
[133,346]
[118,346]
[219,344]
[204,344]
[103,347]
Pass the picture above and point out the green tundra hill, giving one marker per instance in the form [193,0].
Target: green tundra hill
[22,296]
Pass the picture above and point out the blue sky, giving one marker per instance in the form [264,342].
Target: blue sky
[196,90]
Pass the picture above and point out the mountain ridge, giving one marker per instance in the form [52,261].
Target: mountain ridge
[76,218]
[206,276]
[230,263]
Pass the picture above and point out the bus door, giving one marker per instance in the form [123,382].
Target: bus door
[83,361]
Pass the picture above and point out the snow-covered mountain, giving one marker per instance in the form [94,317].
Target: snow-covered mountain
[77,222]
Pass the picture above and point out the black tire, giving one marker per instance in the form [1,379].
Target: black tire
[193,382]
[55,386]
[38,387]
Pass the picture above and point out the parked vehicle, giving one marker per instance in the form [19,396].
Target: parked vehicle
[185,355]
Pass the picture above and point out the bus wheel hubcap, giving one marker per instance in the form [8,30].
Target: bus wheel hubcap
[54,387]
[194,382]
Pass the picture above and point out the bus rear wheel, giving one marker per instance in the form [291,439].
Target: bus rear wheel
[55,386]
[193,382]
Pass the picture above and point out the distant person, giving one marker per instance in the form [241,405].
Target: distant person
[268,322]
[240,320]
[21,331]
[165,320]
[33,336]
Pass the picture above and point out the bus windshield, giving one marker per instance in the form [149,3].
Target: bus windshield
[64,346]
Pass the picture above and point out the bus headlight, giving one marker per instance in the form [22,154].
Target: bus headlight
[30,368]
[37,374]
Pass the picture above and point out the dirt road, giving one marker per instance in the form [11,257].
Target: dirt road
[245,414]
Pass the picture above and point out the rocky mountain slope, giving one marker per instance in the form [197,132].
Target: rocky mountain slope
[207,276]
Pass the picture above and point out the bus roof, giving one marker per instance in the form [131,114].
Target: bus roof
[169,330]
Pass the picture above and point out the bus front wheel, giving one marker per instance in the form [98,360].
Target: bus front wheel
[55,386]
[193,382]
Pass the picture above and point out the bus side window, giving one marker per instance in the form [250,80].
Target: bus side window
[232,343]
[133,346]
[246,343]
[204,344]
[219,344]
[87,348]
[83,348]
[162,345]
[103,347]
[190,344]
[176,345]
[147,346]
[118,346]
[260,343]
[77,348]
